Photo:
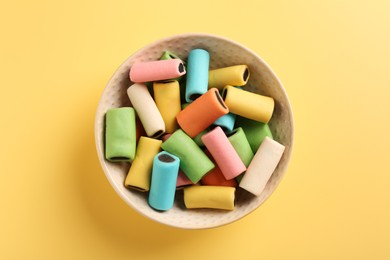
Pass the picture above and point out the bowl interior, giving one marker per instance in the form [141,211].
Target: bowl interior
[223,52]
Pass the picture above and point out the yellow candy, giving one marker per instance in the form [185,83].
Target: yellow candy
[234,75]
[167,98]
[141,169]
[214,197]
[248,104]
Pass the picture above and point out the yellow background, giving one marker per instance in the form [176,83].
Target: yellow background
[333,58]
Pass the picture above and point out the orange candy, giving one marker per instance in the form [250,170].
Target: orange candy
[201,113]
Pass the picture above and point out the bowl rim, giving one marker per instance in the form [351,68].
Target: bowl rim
[164,39]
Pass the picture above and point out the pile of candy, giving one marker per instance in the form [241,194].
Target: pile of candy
[213,133]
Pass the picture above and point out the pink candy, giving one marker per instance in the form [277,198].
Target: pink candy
[223,153]
[156,70]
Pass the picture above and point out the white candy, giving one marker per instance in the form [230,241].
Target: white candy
[262,166]
[146,109]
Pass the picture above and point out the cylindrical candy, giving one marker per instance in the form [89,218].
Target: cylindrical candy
[254,131]
[197,74]
[248,104]
[167,97]
[226,122]
[139,174]
[214,197]
[201,113]
[238,139]
[163,182]
[240,143]
[262,166]
[120,134]
[215,176]
[146,109]
[237,75]
[223,153]
[141,72]
[193,161]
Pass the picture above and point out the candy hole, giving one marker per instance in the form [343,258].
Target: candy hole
[119,158]
[194,96]
[157,134]
[219,98]
[231,133]
[224,93]
[181,67]
[246,74]
[166,158]
[136,188]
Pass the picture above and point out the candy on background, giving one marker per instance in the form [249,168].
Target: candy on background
[201,113]
[248,104]
[193,161]
[226,122]
[237,75]
[141,72]
[262,166]
[120,134]
[140,171]
[215,177]
[56,60]
[223,54]
[215,197]
[240,143]
[146,109]
[223,153]
[163,181]
[255,131]
[197,74]
[167,98]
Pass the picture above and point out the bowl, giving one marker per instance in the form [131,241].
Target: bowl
[223,52]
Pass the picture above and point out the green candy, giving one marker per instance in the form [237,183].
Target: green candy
[240,143]
[167,55]
[120,134]
[255,131]
[193,161]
